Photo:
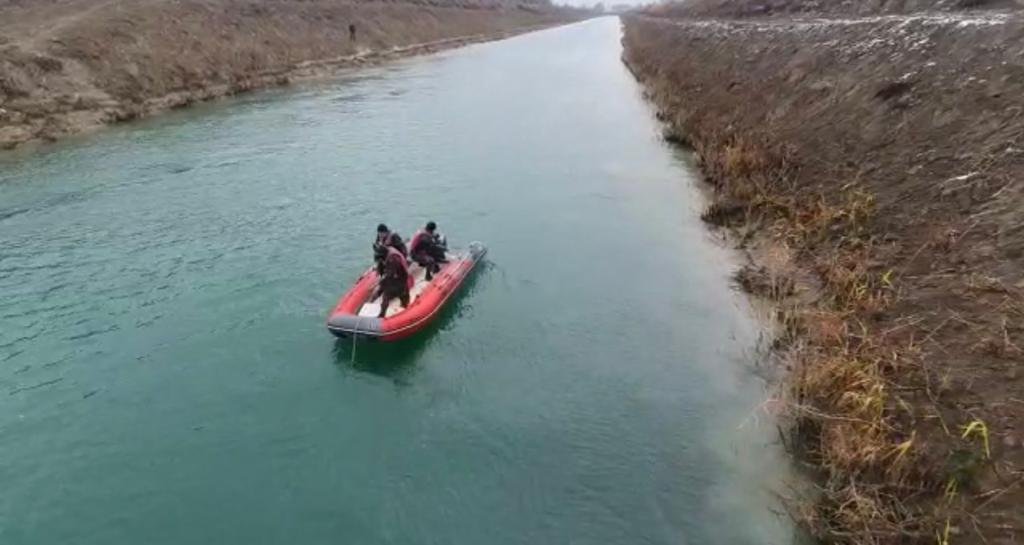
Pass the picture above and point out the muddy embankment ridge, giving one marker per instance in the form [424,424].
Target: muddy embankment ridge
[67,66]
[872,168]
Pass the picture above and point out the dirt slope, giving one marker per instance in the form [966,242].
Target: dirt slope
[66,65]
[761,8]
[874,168]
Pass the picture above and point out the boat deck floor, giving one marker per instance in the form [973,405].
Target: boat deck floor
[372,308]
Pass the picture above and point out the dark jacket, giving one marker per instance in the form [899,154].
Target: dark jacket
[393,240]
[394,272]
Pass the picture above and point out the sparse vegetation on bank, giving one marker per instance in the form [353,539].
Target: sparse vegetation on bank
[872,170]
[68,65]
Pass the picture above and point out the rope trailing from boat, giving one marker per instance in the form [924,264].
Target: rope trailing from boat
[355,334]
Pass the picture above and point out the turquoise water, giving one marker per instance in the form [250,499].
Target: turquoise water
[165,373]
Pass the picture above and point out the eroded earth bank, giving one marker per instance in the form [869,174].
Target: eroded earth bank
[69,65]
[869,156]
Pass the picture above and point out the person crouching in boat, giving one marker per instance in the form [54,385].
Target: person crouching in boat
[428,248]
[395,280]
[385,237]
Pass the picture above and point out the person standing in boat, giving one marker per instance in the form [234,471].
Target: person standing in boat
[428,248]
[395,280]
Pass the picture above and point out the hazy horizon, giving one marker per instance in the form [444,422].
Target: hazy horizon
[607,4]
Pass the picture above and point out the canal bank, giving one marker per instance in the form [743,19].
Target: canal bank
[68,66]
[882,216]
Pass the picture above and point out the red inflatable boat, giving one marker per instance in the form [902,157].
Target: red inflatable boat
[357,314]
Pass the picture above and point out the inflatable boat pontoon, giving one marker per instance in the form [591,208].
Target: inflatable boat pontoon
[357,314]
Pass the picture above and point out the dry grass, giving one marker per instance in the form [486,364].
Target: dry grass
[901,309]
[848,418]
[70,65]
[762,8]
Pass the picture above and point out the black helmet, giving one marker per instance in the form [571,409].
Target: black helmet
[431,226]
[381,228]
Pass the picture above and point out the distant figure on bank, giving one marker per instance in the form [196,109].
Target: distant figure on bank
[352,32]
[428,248]
[394,277]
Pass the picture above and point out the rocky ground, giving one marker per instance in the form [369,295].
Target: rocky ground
[870,157]
[68,65]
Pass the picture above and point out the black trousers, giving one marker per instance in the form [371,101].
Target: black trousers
[430,258]
[392,290]
[426,261]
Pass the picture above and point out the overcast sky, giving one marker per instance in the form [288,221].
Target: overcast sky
[607,3]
